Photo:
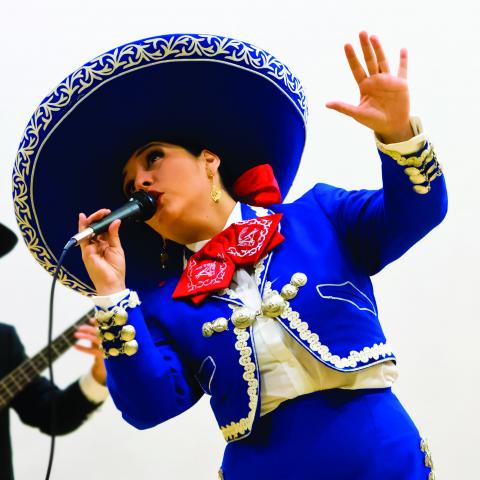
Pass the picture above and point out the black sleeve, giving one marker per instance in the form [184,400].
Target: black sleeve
[35,402]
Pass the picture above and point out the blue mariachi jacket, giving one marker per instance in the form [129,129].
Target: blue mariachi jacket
[338,239]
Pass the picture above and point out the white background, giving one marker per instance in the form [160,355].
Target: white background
[426,299]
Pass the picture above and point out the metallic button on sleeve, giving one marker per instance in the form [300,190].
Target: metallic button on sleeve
[127,333]
[119,316]
[130,348]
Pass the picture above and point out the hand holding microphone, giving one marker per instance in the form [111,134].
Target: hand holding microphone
[103,255]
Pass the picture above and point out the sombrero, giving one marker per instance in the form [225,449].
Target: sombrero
[223,94]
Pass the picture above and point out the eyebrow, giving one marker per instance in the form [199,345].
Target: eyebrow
[147,146]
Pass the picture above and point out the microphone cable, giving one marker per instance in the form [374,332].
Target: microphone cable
[140,206]
[53,418]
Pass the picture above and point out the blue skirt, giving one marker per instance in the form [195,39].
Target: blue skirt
[332,435]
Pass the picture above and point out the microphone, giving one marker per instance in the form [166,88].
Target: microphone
[140,207]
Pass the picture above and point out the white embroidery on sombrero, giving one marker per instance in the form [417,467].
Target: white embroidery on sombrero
[88,78]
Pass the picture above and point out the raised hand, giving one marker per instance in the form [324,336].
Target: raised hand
[384,99]
[103,255]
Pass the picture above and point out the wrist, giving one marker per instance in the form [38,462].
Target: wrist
[104,290]
[400,135]
[98,373]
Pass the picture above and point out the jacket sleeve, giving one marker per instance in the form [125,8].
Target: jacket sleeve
[378,226]
[153,385]
[34,404]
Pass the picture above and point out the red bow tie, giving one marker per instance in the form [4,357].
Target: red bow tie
[213,266]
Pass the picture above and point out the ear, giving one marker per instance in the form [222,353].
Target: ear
[212,161]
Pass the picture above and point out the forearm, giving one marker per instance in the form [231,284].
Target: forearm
[70,406]
[378,226]
[152,385]
[414,198]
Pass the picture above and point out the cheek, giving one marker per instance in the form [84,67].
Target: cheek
[188,183]
[184,188]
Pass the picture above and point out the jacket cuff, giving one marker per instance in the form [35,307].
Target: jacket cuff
[410,146]
[93,391]
[107,301]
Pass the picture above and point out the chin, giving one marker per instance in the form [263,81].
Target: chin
[166,221]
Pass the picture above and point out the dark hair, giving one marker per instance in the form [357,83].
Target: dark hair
[192,147]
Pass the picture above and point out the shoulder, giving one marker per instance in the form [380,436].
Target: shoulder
[320,195]
[8,333]
[12,350]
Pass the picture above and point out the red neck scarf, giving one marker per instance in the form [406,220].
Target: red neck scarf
[241,244]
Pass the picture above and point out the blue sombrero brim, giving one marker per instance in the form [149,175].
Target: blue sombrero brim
[219,93]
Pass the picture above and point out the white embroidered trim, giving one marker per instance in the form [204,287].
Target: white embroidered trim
[315,345]
[331,297]
[244,425]
[211,376]
[428,458]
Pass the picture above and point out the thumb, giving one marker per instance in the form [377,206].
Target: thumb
[113,231]
[344,108]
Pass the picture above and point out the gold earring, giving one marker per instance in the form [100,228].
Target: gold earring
[215,193]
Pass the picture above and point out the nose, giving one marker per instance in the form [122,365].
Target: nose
[143,180]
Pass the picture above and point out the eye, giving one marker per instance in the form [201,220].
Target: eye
[154,155]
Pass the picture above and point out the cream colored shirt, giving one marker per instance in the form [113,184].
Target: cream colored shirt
[287,369]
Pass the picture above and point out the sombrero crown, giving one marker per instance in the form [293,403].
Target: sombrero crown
[217,92]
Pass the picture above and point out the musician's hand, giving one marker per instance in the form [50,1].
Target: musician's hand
[90,333]
[384,99]
[103,255]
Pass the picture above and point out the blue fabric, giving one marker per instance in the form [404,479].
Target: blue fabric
[331,435]
[338,239]
[218,93]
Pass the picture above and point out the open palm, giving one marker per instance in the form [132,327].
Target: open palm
[384,99]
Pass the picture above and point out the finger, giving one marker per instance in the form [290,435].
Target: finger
[355,66]
[383,66]
[89,350]
[368,53]
[345,108]
[98,215]
[403,65]
[87,329]
[113,231]
[82,222]
[88,336]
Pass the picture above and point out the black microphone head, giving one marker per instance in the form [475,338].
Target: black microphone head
[147,203]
